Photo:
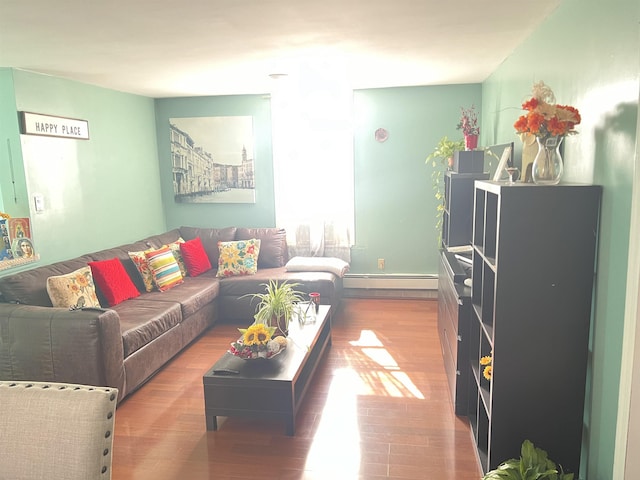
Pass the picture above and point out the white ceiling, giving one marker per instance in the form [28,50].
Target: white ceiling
[164,48]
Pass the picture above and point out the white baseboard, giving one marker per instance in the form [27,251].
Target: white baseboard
[391,281]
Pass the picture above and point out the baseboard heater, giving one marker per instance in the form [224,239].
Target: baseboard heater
[391,281]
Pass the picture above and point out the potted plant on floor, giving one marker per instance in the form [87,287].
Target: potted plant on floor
[277,305]
[533,464]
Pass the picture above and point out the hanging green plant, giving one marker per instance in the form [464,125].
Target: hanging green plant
[441,160]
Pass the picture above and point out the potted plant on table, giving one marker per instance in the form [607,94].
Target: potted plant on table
[277,305]
[469,126]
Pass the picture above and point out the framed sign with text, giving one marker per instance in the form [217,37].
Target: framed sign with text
[53,126]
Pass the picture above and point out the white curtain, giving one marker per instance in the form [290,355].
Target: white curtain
[313,162]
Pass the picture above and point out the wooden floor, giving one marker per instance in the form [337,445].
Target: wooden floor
[379,407]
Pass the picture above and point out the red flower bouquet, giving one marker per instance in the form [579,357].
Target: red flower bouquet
[545,118]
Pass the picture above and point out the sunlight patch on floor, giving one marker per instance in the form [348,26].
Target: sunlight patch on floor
[390,380]
[336,444]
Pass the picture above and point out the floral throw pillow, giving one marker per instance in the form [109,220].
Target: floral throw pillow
[238,258]
[73,290]
[142,265]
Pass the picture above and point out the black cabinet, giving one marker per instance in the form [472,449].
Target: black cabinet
[458,207]
[454,315]
[454,298]
[533,276]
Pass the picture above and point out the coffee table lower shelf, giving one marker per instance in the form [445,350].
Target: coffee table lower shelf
[271,389]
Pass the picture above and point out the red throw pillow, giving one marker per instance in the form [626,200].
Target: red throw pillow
[195,257]
[113,281]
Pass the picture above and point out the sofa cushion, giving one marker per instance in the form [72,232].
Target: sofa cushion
[165,269]
[192,295]
[238,257]
[143,319]
[30,287]
[321,282]
[195,257]
[210,238]
[273,245]
[75,289]
[157,241]
[113,281]
[236,304]
[337,266]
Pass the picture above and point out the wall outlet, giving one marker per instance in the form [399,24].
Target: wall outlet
[381,264]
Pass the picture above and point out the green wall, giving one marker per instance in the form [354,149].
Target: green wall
[587,51]
[260,214]
[13,186]
[416,118]
[395,207]
[98,193]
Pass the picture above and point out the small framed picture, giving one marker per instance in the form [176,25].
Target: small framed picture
[23,248]
[505,159]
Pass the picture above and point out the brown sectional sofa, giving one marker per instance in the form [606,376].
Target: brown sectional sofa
[124,345]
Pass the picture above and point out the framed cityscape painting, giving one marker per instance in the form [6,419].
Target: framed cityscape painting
[212,159]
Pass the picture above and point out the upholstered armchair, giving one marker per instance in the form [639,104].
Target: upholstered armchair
[56,431]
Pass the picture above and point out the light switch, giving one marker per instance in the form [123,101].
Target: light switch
[38,201]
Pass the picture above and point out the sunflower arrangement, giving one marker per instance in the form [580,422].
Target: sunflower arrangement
[258,341]
[486,361]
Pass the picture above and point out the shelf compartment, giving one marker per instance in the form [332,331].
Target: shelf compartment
[478,218]
[488,296]
[445,229]
[490,226]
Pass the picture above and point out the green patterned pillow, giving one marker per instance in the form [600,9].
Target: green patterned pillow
[238,258]
[73,290]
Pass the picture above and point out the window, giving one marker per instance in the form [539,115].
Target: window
[313,163]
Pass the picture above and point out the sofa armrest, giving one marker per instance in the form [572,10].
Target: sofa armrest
[57,345]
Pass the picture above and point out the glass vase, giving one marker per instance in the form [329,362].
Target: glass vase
[547,166]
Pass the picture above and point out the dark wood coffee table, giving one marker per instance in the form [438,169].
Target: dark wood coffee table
[271,388]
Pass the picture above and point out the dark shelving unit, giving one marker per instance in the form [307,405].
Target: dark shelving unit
[534,253]
[454,314]
[458,207]
[454,298]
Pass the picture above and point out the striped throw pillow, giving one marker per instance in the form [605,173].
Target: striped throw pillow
[165,269]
